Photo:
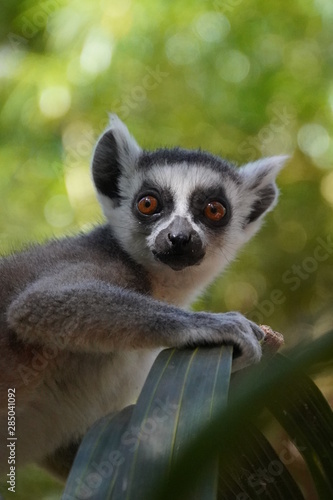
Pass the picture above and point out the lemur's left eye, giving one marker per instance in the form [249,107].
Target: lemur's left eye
[214,211]
[148,205]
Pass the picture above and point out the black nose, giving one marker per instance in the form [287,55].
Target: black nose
[179,239]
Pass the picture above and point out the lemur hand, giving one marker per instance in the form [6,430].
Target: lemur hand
[230,328]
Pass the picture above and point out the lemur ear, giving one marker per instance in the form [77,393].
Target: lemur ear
[116,153]
[259,185]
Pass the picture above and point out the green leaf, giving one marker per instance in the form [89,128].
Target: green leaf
[97,462]
[246,402]
[166,446]
[183,391]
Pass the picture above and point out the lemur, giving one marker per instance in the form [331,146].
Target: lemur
[83,318]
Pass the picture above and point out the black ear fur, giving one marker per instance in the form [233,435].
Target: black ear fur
[116,154]
[106,166]
[266,198]
[259,184]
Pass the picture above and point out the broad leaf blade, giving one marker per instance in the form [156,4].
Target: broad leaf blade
[99,458]
[182,392]
[192,385]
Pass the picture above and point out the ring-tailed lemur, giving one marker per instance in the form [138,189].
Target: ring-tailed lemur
[83,318]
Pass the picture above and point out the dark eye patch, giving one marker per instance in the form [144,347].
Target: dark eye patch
[165,202]
[199,200]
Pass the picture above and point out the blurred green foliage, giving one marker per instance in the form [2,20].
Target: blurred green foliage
[242,79]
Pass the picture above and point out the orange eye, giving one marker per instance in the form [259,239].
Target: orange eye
[148,205]
[214,211]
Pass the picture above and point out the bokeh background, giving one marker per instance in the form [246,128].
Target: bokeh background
[240,78]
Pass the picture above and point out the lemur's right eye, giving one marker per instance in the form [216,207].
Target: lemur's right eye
[148,205]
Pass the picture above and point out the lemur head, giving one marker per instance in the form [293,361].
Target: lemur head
[179,208]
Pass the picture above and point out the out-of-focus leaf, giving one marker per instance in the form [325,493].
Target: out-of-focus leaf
[306,416]
[253,469]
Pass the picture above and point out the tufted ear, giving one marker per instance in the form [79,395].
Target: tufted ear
[260,189]
[116,153]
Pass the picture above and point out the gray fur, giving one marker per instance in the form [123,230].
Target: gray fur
[83,318]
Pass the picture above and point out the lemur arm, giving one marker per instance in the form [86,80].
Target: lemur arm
[94,316]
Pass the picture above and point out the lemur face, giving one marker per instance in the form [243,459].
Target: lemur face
[177,208]
[180,208]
